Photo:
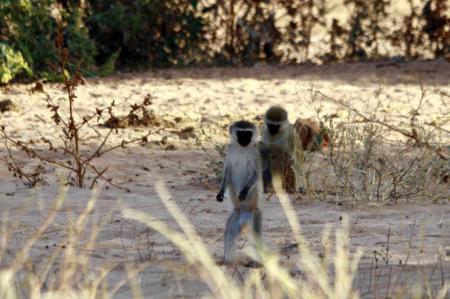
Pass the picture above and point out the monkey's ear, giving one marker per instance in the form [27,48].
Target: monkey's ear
[230,129]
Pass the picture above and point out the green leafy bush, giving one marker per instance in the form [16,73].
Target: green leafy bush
[146,33]
[30,27]
[11,64]
[81,47]
[26,26]
[102,35]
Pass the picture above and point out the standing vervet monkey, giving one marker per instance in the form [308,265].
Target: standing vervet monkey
[277,148]
[242,183]
[283,145]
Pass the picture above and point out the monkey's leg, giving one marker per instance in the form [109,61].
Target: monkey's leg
[257,226]
[266,174]
[267,179]
[232,230]
[257,235]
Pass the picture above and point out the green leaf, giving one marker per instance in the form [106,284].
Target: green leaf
[12,63]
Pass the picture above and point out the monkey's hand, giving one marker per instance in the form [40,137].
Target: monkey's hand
[243,194]
[219,196]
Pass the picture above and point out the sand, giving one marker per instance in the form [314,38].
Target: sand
[417,232]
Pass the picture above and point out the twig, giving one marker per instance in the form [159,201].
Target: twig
[390,127]
[101,175]
[32,179]
[33,153]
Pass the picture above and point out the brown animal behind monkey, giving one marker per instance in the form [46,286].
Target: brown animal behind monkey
[312,136]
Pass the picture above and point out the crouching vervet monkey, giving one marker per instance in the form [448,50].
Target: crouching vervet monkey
[242,184]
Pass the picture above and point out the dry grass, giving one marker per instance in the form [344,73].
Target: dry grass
[69,274]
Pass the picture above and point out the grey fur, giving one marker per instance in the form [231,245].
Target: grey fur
[242,184]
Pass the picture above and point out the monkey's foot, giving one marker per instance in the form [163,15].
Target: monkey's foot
[225,262]
[253,264]
[220,262]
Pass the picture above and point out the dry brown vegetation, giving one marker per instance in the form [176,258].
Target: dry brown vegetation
[382,185]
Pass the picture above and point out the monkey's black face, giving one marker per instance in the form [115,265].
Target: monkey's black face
[244,137]
[273,129]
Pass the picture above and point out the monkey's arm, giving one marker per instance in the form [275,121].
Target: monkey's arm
[265,165]
[267,177]
[244,192]
[224,184]
[264,152]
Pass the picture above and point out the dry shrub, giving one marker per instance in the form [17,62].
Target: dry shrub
[375,160]
[76,160]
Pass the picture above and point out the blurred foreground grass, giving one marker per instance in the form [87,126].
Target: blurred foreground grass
[69,273]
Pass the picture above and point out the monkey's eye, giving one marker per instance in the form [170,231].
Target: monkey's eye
[273,129]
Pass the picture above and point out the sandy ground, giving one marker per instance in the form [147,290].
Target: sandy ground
[208,99]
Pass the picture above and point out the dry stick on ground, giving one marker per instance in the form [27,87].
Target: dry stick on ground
[32,178]
[412,135]
[437,127]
